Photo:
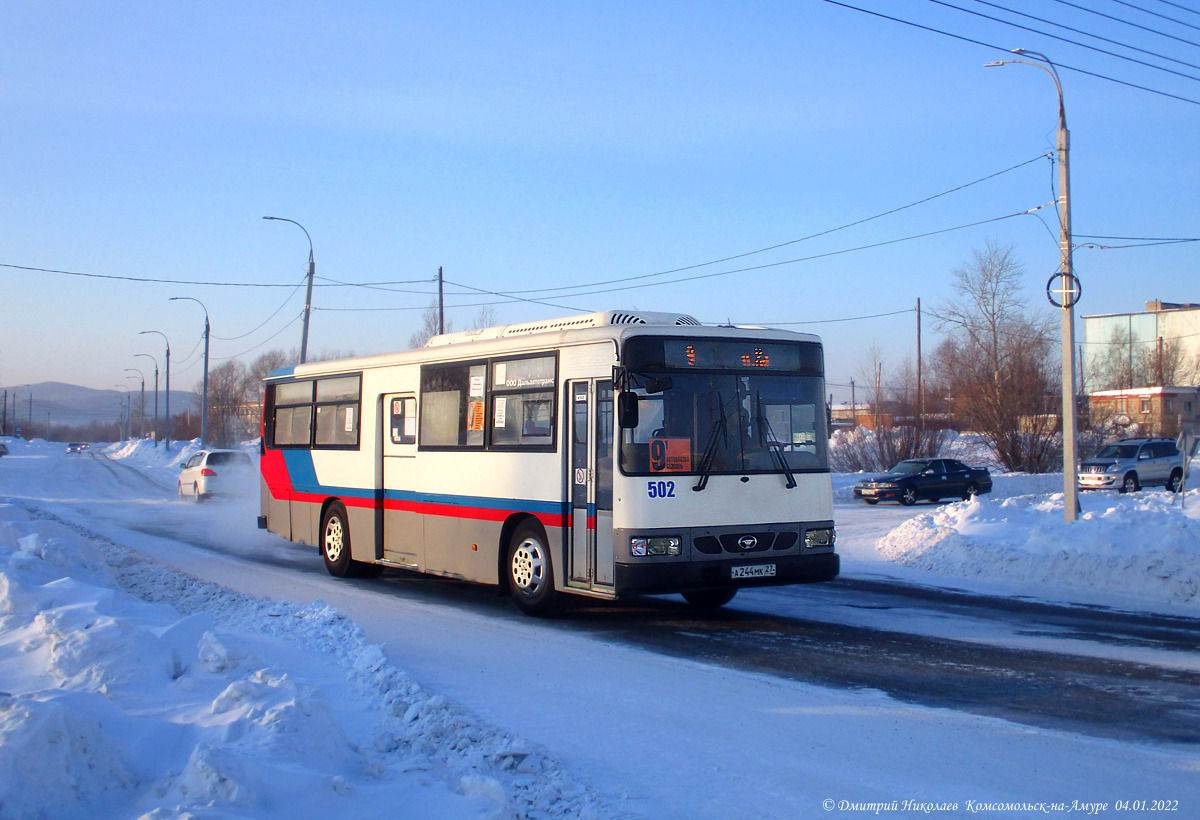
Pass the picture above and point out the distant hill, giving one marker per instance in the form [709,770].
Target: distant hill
[70,404]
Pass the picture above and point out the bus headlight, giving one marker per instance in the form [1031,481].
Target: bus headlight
[659,545]
[819,538]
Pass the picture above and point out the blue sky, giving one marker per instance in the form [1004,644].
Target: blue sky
[535,145]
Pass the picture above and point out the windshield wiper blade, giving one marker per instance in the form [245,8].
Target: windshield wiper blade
[710,451]
[773,445]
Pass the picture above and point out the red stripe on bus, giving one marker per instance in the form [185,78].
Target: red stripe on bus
[440,510]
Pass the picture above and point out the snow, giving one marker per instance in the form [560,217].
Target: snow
[132,688]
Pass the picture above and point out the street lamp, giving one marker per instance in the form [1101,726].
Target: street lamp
[1069,287]
[312,269]
[142,408]
[168,399]
[151,358]
[122,421]
[204,401]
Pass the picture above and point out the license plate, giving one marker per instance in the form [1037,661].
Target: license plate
[755,571]
[868,492]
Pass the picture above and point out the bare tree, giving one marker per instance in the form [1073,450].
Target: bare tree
[486,317]
[428,328]
[227,385]
[895,433]
[997,361]
[1126,363]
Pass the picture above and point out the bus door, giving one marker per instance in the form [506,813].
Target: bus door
[590,488]
[401,538]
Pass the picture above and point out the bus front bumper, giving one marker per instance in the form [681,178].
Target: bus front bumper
[693,575]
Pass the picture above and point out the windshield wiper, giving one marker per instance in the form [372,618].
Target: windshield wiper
[710,451]
[773,445]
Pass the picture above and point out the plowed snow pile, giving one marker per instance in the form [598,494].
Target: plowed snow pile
[217,704]
[1142,545]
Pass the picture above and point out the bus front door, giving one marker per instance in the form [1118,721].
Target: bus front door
[401,536]
[590,488]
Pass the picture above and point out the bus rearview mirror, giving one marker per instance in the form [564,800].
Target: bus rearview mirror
[627,410]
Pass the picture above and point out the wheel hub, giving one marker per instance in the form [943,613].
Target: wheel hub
[528,566]
[333,538]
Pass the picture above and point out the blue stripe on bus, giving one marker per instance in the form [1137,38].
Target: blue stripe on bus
[303,477]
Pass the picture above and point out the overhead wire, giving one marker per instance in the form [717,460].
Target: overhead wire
[297,318]
[1178,6]
[1154,13]
[1069,41]
[779,245]
[995,47]
[1130,23]
[289,298]
[835,321]
[815,256]
[1147,52]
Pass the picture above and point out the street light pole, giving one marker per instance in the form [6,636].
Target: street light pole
[123,422]
[312,270]
[151,358]
[1069,286]
[204,399]
[168,399]
[142,407]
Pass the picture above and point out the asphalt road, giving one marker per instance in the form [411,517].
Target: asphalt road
[1101,672]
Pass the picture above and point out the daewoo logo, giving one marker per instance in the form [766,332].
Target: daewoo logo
[747,542]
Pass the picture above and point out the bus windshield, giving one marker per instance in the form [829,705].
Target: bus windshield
[760,419]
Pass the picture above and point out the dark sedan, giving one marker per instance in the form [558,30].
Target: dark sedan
[925,478]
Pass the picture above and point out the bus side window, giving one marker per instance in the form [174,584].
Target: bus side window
[403,420]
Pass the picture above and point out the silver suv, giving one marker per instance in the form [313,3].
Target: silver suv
[1132,463]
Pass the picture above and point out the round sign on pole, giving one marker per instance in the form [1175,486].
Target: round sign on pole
[1068,291]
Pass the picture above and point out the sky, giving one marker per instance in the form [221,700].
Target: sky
[537,146]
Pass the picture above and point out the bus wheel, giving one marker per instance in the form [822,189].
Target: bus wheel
[530,573]
[335,543]
[709,598]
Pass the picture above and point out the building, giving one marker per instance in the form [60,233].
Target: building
[1148,411]
[1158,345]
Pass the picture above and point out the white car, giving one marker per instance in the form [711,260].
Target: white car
[211,473]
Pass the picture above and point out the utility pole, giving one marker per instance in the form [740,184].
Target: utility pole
[1069,289]
[853,406]
[920,383]
[441,304]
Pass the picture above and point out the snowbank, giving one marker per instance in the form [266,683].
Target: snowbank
[128,689]
[1144,545]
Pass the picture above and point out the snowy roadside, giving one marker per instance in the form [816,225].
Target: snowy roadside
[131,689]
[1142,546]
[134,690]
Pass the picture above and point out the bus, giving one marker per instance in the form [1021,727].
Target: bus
[604,455]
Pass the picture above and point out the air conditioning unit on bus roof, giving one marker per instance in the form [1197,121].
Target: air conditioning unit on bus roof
[600,319]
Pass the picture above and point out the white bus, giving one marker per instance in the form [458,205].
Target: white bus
[602,455]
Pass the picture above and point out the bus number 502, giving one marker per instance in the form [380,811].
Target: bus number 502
[661,489]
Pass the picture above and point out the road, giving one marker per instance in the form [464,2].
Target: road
[1105,673]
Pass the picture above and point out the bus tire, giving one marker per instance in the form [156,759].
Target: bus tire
[709,598]
[530,571]
[335,543]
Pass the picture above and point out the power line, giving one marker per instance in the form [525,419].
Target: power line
[832,321]
[299,316]
[1139,238]
[994,47]
[1063,39]
[1154,14]
[1126,22]
[1088,34]
[816,256]
[330,283]
[269,318]
[779,245]
[1181,8]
